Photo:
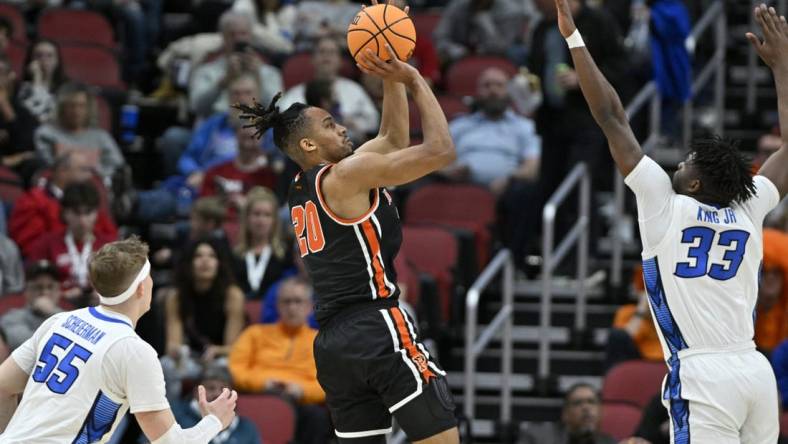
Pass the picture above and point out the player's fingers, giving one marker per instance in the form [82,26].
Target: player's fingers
[233,396]
[768,19]
[373,60]
[754,40]
[201,400]
[392,54]
[407,10]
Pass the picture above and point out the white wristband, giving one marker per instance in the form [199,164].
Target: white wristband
[575,40]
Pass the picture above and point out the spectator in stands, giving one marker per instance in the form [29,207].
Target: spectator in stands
[779,361]
[478,27]
[42,294]
[204,314]
[358,112]
[14,153]
[32,105]
[215,142]
[278,358]
[579,422]
[38,211]
[215,378]
[318,19]
[274,26]
[75,128]
[499,149]
[209,80]
[70,249]
[564,106]
[767,144]
[231,180]
[771,321]
[633,335]
[12,276]
[494,145]
[263,256]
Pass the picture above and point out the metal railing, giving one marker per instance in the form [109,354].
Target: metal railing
[714,68]
[502,321]
[552,256]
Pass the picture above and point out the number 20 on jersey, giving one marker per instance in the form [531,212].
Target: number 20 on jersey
[308,230]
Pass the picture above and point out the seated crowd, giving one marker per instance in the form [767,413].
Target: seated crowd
[89,164]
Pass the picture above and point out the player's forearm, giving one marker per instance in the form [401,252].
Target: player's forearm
[781,82]
[602,99]
[7,408]
[394,119]
[437,138]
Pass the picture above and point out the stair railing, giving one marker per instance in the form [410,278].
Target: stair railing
[579,177]
[502,321]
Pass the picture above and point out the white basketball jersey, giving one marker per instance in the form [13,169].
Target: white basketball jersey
[701,264]
[67,398]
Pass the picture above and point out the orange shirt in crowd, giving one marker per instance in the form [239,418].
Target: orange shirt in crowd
[275,352]
[771,327]
[646,337]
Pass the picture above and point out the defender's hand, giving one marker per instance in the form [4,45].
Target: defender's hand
[566,24]
[773,50]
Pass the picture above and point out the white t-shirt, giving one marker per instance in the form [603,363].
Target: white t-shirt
[87,367]
[701,264]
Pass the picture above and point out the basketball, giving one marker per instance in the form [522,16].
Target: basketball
[377,25]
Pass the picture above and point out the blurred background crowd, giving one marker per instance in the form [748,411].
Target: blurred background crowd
[115,119]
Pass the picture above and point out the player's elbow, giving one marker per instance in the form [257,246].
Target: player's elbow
[443,147]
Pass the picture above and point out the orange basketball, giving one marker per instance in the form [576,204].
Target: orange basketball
[377,25]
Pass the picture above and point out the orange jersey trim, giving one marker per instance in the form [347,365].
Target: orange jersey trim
[331,214]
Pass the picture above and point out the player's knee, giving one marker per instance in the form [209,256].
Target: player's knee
[430,414]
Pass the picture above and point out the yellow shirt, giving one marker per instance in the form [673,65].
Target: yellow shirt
[275,352]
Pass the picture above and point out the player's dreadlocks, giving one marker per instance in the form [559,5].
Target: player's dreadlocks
[724,170]
[286,124]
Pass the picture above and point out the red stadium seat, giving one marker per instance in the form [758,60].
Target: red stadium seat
[92,65]
[635,382]
[409,277]
[11,186]
[298,69]
[16,55]
[425,23]
[462,75]
[452,106]
[619,420]
[273,416]
[784,424]
[434,251]
[438,205]
[14,15]
[11,301]
[76,26]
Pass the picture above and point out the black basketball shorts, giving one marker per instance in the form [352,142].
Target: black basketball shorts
[372,366]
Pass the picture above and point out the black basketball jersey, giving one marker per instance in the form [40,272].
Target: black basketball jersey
[349,261]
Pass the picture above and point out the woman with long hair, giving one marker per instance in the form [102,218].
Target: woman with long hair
[262,254]
[204,314]
[43,75]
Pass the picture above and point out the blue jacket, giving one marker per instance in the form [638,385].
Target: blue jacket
[670,27]
[780,366]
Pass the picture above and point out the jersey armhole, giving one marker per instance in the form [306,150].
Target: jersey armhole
[324,205]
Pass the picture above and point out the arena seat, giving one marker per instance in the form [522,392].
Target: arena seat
[11,187]
[92,65]
[438,204]
[433,250]
[11,301]
[298,69]
[633,382]
[274,417]
[452,107]
[16,53]
[619,420]
[14,15]
[426,22]
[76,26]
[462,75]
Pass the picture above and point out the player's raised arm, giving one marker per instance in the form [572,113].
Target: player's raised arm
[367,170]
[12,383]
[602,99]
[394,133]
[773,50]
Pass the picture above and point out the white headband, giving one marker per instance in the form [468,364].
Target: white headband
[123,297]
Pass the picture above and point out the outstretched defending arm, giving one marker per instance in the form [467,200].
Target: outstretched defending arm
[602,99]
[773,50]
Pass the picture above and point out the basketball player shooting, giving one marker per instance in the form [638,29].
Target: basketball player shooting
[369,359]
[702,251]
